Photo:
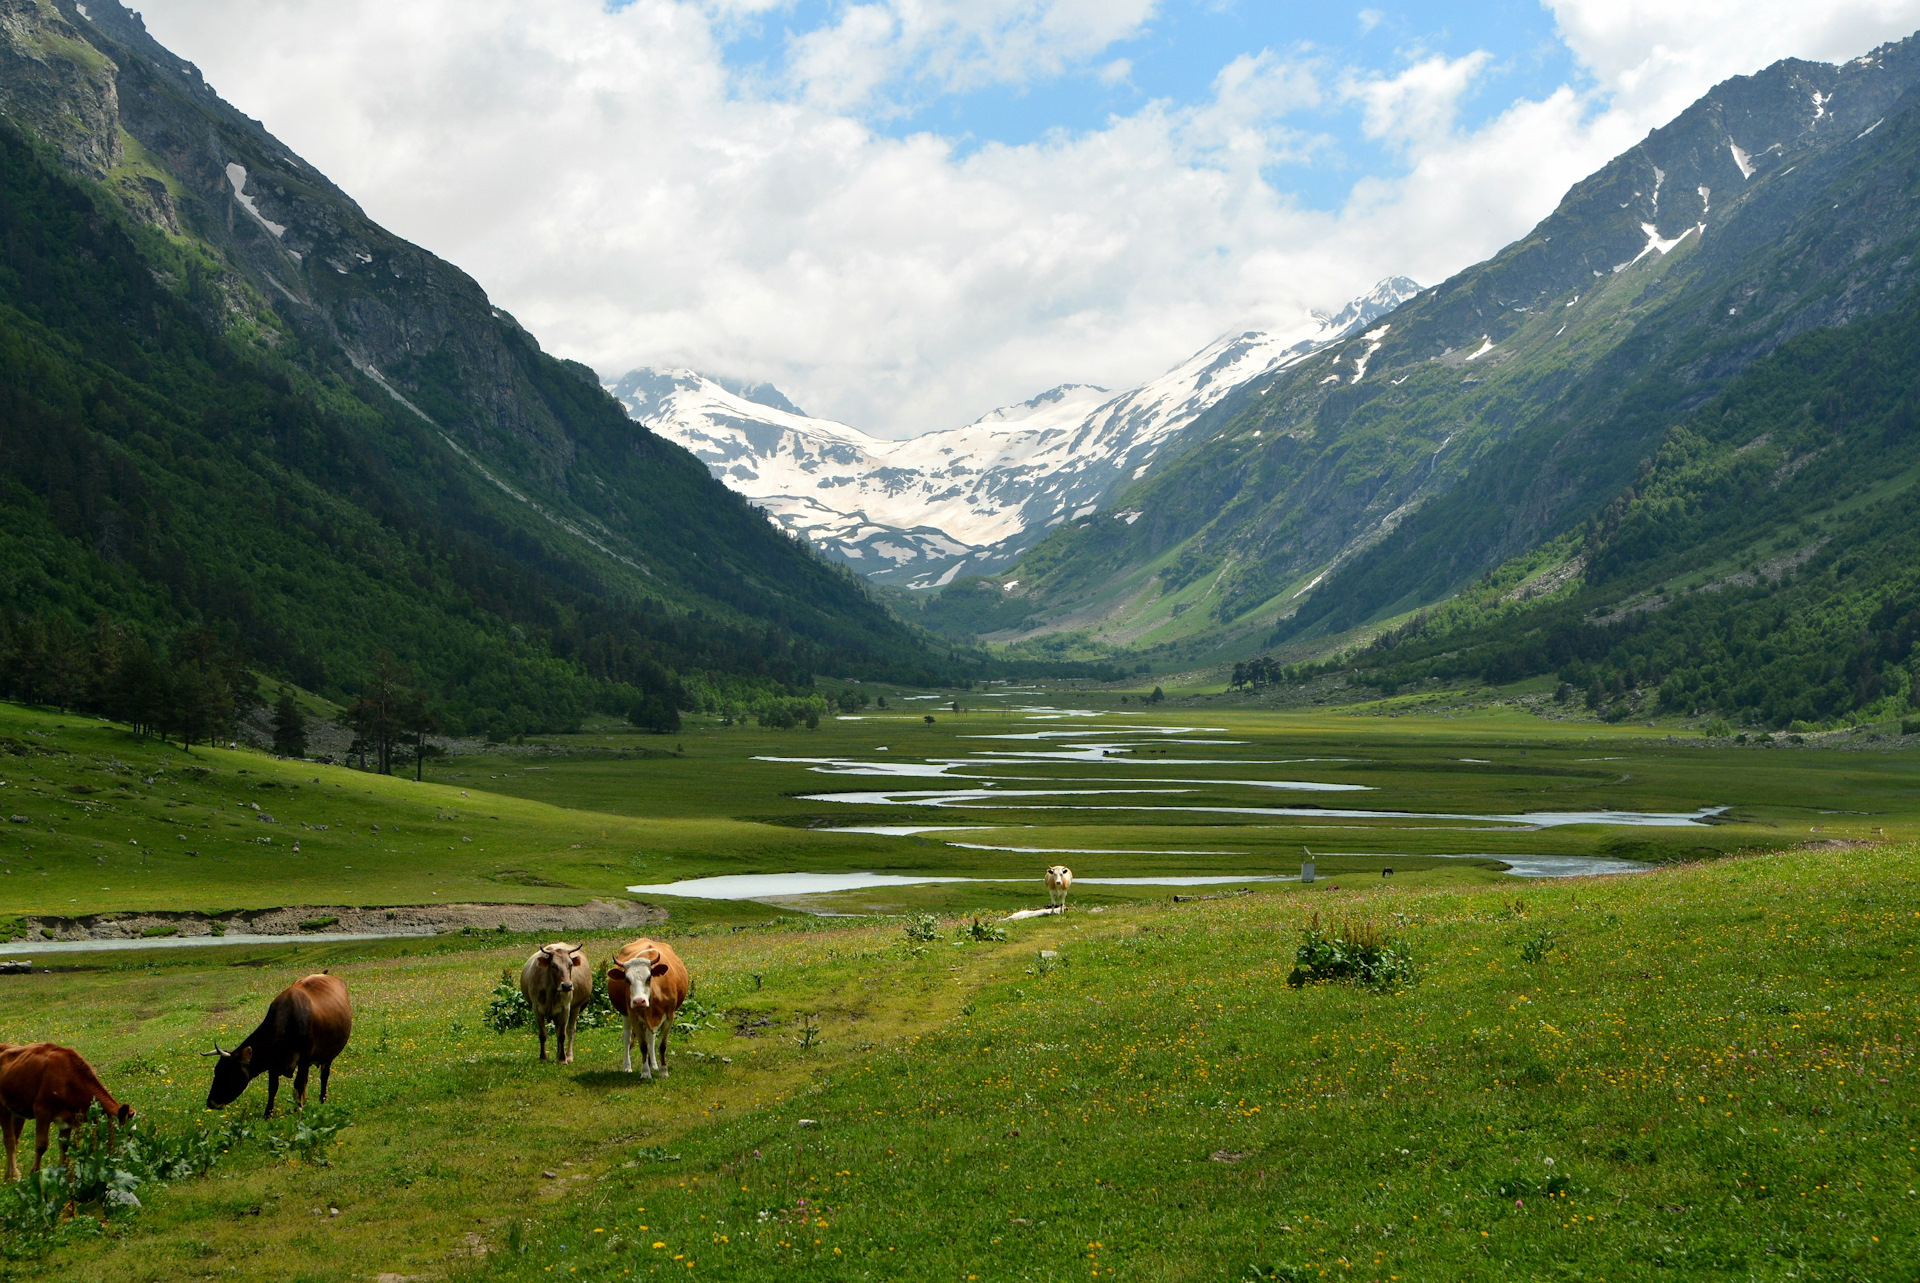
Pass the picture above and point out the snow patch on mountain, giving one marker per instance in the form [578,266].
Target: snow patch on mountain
[965,500]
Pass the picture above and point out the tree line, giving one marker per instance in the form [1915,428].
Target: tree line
[193,687]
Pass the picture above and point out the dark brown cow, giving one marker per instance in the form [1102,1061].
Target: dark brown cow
[308,1024]
[49,1084]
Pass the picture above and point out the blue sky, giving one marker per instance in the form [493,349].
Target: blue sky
[1176,56]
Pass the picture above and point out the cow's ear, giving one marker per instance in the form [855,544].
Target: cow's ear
[659,968]
[246,1055]
[546,959]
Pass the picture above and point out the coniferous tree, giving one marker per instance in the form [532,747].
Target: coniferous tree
[289,726]
[414,718]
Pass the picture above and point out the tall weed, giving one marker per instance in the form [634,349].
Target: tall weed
[1356,950]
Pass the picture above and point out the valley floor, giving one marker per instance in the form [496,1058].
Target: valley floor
[1700,1071]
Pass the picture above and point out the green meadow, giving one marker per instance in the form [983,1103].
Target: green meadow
[1699,1071]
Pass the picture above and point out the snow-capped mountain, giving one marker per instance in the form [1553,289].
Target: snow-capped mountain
[968,499]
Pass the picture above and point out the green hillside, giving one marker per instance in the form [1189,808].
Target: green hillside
[1765,564]
[1504,409]
[225,449]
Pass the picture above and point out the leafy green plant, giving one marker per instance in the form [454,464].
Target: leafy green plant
[693,1016]
[312,1130]
[100,1180]
[1356,950]
[980,932]
[1281,1274]
[507,1007]
[923,928]
[1536,949]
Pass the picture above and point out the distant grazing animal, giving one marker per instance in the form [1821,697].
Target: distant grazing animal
[48,1084]
[307,1024]
[647,983]
[558,985]
[1059,880]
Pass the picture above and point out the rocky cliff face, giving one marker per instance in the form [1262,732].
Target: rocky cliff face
[423,326]
[59,87]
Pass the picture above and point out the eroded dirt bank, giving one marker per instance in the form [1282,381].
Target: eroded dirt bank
[325,919]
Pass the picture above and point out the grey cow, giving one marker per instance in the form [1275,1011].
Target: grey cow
[558,985]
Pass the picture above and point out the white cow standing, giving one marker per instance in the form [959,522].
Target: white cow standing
[1059,879]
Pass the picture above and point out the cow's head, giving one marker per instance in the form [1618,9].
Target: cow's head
[641,972]
[560,959]
[232,1071]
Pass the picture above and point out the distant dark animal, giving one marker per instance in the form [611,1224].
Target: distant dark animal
[308,1024]
[1386,873]
[49,1084]
[647,983]
[1059,882]
[558,985]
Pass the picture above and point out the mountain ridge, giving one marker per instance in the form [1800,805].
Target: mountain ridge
[375,420]
[1505,404]
[923,511]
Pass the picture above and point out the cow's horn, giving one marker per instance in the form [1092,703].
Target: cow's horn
[215,1052]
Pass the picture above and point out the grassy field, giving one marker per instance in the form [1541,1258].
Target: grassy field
[1717,1059]
[112,822]
[1716,1056]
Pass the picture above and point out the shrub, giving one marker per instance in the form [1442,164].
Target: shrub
[1356,951]
[1910,726]
[977,930]
[693,1015]
[1536,949]
[508,1008]
[100,1182]
[923,928]
[313,1129]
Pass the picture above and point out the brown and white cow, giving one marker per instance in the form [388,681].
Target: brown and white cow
[49,1084]
[1059,879]
[647,983]
[558,985]
[307,1024]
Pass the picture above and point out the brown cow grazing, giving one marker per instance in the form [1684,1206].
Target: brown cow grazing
[558,985]
[308,1024]
[49,1084]
[1059,881]
[647,983]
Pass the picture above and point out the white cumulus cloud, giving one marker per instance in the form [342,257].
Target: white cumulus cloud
[610,180]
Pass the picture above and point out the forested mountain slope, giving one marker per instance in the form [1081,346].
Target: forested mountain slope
[1764,564]
[1506,406]
[231,403]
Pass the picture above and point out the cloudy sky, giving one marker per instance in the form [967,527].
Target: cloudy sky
[908,212]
